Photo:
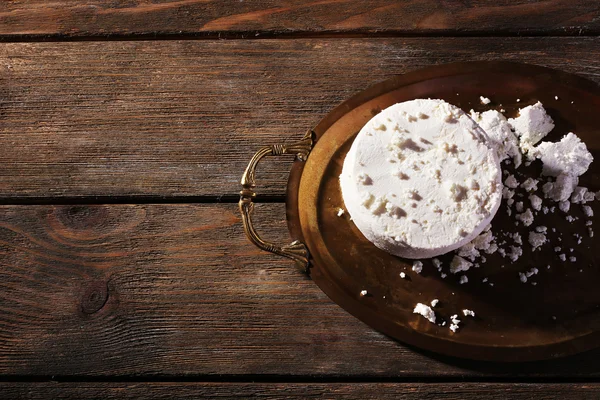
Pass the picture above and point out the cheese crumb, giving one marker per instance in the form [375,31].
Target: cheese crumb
[532,125]
[463,279]
[578,195]
[536,239]
[526,218]
[536,202]
[522,277]
[402,275]
[468,313]
[340,212]
[417,267]
[564,206]
[484,100]
[434,302]
[587,211]
[425,311]
[459,264]
[530,184]
[511,182]
[363,292]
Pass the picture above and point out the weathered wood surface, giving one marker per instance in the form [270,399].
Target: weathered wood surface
[182,118]
[177,290]
[400,391]
[67,18]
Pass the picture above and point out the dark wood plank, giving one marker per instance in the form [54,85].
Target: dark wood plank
[400,391]
[177,290]
[67,18]
[172,118]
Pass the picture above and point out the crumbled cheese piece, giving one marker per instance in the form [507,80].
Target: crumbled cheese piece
[500,135]
[453,327]
[402,275]
[531,272]
[564,206]
[587,211]
[459,264]
[569,156]
[530,184]
[484,100]
[507,193]
[425,311]
[434,302]
[589,196]
[561,189]
[515,253]
[557,249]
[522,277]
[463,279]
[437,264]
[517,238]
[578,194]
[588,223]
[536,202]
[541,229]
[570,218]
[363,292]
[468,313]
[532,125]
[469,251]
[510,202]
[511,182]
[340,212]
[572,259]
[562,257]
[526,218]
[519,206]
[417,267]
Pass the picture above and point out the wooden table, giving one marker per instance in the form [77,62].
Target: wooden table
[125,127]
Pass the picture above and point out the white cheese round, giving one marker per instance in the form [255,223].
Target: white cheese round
[419,179]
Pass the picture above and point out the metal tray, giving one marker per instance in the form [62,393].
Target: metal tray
[515,321]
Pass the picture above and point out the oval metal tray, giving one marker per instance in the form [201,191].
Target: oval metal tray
[515,321]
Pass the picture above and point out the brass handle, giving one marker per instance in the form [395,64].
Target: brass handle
[296,251]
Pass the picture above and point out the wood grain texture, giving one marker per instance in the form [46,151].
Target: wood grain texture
[178,291]
[182,118]
[400,391]
[67,18]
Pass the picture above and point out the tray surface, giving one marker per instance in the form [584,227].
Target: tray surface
[515,321]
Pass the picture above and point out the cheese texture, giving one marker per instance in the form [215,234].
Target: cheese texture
[501,137]
[419,179]
[570,156]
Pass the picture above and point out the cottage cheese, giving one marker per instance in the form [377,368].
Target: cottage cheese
[419,179]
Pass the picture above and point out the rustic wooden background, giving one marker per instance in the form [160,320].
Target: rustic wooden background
[124,129]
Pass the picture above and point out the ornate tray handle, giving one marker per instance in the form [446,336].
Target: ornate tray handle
[296,251]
